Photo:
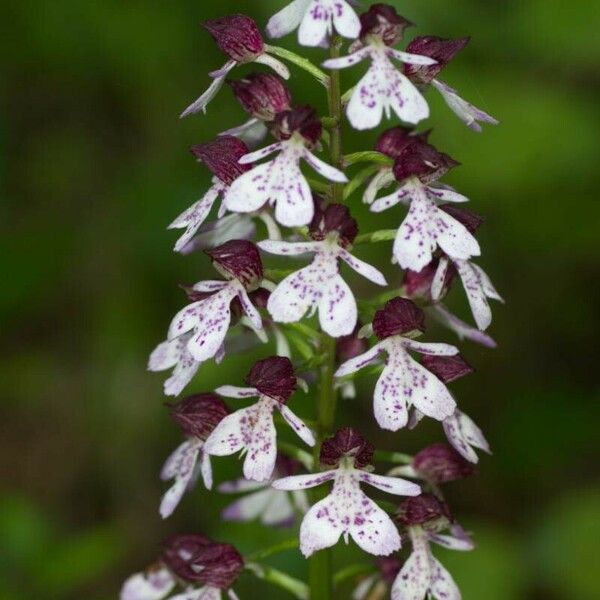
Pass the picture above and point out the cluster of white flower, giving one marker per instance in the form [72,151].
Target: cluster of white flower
[266,188]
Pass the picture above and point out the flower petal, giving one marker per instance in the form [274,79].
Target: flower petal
[452,543]
[302,431]
[345,20]
[413,580]
[184,320]
[343,62]
[257,155]
[365,269]
[153,585]
[359,362]
[439,279]
[391,485]
[412,59]
[274,63]
[338,312]
[249,309]
[454,238]
[252,132]
[386,202]
[233,391]
[389,402]
[442,585]
[297,293]
[445,195]
[365,108]
[248,507]
[287,19]
[320,527]
[429,348]
[181,465]
[463,330]
[324,169]
[226,438]
[303,482]
[201,103]
[288,248]
[206,470]
[280,511]
[260,440]
[315,25]
[165,355]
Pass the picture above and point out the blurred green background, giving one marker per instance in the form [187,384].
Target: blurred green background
[94,165]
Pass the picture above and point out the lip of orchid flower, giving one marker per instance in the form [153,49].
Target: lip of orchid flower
[383,21]
[199,414]
[262,95]
[420,159]
[425,510]
[273,377]
[441,463]
[238,259]
[333,218]
[447,368]
[222,156]
[441,49]
[302,120]
[347,443]
[400,316]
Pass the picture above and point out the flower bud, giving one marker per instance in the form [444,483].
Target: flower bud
[273,377]
[179,552]
[440,49]
[422,160]
[440,463]
[262,95]
[199,414]
[382,20]
[470,220]
[302,120]
[349,346]
[347,442]
[447,368]
[239,259]
[399,316]
[417,284]
[333,218]
[237,36]
[425,510]
[220,564]
[394,140]
[221,156]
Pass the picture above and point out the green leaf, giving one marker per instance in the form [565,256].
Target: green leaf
[367,156]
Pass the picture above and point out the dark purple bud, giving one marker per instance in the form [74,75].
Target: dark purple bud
[332,218]
[221,156]
[239,259]
[347,442]
[349,346]
[470,220]
[440,49]
[425,510]
[422,160]
[179,552]
[417,284]
[302,120]
[220,564]
[389,568]
[273,377]
[399,316]
[263,95]
[383,21]
[199,414]
[238,36]
[440,463]
[394,140]
[447,368]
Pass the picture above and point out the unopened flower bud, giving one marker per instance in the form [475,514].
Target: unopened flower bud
[222,157]
[333,218]
[382,20]
[440,49]
[220,564]
[440,463]
[237,36]
[422,160]
[417,284]
[263,95]
[349,346]
[273,377]
[425,510]
[239,259]
[392,141]
[447,368]
[470,220]
[199,414]
[399,316]
[347,442]
[302,120]
[179,552]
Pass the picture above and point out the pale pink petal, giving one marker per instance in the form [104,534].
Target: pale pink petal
[389,399]
[434,349]
[464,435]
[211,92]
[386,202]
[345,20]
[452,543]
[204,593]
[288,248]
[439,279]
[239,486]
[252,132]
[471,280]
[257,155]
[280,511]
[184,320]
[260,441]
[209,286]
[463,330]
[287,19]
[365,269]
[316,24]
[382,179]
[303,482]
[183,373]
[365,108]
[362,590]
[165,355]
[250,191]
[343,62]
[454,238]
[391,485]
[359,362]
[338,312]
[324,169]
[206,470]
[232,391]
[321,527]
[487,285]
[153,585]
[412,59]
[302,431]
[445,195]
[249,308]
[442,585]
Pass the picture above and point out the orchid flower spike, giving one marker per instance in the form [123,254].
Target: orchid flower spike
[197,416]
[461,431]
[280,181]
[239,37]
[203,568]
[427,225]
[320,285]
[197,332]
[443,51]
[347,510]
[315,20]
[422,575]
[251,429]
[403,382]
[384,88]
[222,157]
[261,501]
[263,96]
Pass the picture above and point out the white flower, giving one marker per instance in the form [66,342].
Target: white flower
[318,286]
[404,382]
[422,575]
[427,226]
[155,584]
[477,284]
[464,435]
[316,20]
[384,88]
[347,510]
[280,182]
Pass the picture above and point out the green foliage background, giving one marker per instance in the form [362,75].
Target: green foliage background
[94,164]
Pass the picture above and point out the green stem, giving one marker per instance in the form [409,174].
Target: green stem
[320,568]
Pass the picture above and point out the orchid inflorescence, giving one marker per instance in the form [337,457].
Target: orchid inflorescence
[309,312]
